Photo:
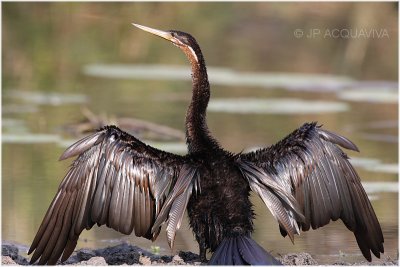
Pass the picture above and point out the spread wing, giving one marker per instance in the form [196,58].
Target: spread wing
[309,165]
[118,181]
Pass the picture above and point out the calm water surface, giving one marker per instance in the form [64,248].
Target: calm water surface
[33,140]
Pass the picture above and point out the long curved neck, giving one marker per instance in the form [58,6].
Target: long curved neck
[197,134]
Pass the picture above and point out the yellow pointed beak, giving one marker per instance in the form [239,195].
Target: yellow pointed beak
[162,34]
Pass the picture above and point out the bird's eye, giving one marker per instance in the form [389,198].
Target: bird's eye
[185,40]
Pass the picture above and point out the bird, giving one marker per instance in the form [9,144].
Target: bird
[305,180]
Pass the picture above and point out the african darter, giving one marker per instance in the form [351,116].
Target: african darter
[305,180]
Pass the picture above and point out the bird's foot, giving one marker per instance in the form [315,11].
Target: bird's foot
[203,257]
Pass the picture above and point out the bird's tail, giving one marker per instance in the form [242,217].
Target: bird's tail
[241,250]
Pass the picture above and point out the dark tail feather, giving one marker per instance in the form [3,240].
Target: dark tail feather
[241,250]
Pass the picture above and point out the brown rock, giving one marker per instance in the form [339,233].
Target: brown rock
[93,261]
[298,259]
[6,260]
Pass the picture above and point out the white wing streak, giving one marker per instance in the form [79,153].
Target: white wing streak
[316,176]
[118,181]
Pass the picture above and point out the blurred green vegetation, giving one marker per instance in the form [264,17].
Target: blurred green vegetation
[46,44]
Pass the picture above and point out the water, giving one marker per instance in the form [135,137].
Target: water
[31,172]
[248,110]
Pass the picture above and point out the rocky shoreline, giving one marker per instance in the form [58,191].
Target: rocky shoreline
[126,254]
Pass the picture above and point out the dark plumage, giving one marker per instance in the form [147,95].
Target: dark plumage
[305,180]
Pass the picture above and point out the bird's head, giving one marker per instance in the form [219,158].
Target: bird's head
[183,40]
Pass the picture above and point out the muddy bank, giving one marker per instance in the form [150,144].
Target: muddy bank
[125,254]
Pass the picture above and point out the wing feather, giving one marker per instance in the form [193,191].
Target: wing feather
[137,210]
[63,236]
[124,213]
[47,229]
[115,202]
[176,214]
[83,145]
[118,181]
[309,166]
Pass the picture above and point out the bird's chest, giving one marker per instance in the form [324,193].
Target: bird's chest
[217,173]
[218,206]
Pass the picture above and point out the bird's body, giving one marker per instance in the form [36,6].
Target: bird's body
[222,208]
[305,180]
